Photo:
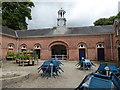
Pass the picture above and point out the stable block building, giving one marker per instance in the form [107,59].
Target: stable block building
[100,43]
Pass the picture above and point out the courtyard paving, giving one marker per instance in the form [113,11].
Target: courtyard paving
[70,78]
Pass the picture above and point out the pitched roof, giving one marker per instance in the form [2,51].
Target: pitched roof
[8,31]
[89,30]
[36,32]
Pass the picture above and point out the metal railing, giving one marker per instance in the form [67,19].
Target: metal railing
[60,57]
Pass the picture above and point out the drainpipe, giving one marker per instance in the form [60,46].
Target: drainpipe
[111,46]
[17,40]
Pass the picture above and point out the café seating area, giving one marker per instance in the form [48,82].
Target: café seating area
[85,64]
[51,68]
[107,76]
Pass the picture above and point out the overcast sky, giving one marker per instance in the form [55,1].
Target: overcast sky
[78,12]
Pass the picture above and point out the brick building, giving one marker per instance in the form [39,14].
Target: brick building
[70,43]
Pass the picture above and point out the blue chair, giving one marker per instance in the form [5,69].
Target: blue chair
[99,83]
[116,73]
[101,68]
[47,68]
[80,62]
[91,75]
[113,68]
[80,87]
[116,81]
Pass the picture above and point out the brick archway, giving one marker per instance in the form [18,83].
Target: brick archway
[118,50]
[59,43]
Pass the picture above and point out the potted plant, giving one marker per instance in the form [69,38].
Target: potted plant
[22,57]
[36,57]
[30,57]
[10,55]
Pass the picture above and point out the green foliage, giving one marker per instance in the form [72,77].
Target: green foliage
[0,13]
[54,28]
[106,21]
[10,54]
[118,15]
[14,14]
[0,4]
[23,55]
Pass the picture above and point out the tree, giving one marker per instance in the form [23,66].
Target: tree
[0,13]
[14,14]
[118,15]
[105,21]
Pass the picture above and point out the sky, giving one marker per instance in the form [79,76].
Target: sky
[79,13]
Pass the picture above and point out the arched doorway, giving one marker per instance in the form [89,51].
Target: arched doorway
[119,53]
[59,51]
[100,52]
[37,50]
[82,51]
[118,45]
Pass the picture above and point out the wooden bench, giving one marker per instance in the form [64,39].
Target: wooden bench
[22,62]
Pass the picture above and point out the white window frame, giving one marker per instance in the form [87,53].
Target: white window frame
[118,44]
[100,45]
[24,47]
[10,46]
[37,46]
[82,46]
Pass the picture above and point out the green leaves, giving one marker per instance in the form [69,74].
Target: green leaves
[106,21]
[14,14]
[118,15]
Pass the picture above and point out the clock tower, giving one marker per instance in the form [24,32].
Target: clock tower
[61,21]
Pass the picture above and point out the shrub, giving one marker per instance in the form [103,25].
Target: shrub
[10,54]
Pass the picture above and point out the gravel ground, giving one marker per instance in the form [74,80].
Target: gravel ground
[70,78]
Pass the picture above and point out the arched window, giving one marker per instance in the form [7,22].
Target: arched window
[10,46]
[37,46]
[118,44]
[23,48]
[100,45]
[82,46]
[118,47]
[117,30]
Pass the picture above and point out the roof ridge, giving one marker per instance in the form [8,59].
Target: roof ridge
[36,29]
[90,26]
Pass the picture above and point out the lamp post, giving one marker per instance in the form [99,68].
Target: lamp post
[51,67]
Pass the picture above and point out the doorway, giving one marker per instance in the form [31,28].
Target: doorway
[37,51]
[119,54]
[59,51]
[82,53]
[100,54]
